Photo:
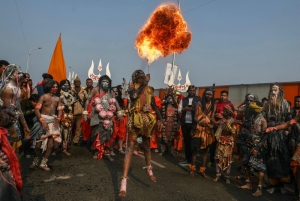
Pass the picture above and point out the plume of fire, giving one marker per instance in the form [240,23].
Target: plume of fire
[165,33]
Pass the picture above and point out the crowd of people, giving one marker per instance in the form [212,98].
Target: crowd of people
[129,118]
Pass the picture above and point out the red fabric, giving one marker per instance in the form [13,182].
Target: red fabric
[41,83]
[220,106]
[125,102]
[12,158]
[120,127]
[99,147]
[158,102]
[86,129]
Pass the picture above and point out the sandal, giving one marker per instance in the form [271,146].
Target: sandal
[122,192]
[193,169]
[150,173]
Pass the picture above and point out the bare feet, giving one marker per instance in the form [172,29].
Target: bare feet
[246,186]
[217,178]
[66,153]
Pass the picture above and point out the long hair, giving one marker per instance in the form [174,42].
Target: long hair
[8,71]
[277,103]
[203,101]
[104,77]
[47,87]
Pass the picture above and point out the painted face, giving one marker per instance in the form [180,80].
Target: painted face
[105,85]
[54,89]
[208,95]
[115,91]
[275,91]
[169,99]
[65,87]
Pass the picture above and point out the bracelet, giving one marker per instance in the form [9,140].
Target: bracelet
[85,112]
[42,120]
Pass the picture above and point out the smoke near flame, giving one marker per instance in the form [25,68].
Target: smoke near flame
[166,32]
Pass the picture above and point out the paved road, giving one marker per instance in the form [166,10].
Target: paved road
[80,177]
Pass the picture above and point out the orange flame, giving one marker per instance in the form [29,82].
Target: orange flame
[164,33]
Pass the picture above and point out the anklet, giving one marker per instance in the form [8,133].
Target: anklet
[124,177]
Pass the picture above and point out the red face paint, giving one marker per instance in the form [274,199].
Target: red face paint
[54,89]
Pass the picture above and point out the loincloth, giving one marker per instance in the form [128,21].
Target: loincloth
[140,123]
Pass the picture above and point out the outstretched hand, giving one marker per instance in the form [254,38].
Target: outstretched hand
[270,129]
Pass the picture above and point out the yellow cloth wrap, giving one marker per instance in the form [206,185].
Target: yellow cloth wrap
[17,145]
[143,123]
[255,107]
[137,120]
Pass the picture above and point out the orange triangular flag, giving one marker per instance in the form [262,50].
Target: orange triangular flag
[57,67]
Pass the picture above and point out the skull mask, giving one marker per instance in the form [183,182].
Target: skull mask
[106,124]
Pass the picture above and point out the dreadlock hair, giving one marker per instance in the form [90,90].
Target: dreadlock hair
[278,104]
[8,71]
[203,101]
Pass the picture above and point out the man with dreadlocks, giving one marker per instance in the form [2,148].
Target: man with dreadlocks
[141,122]
[203,134]
[100,108]
[10,95]
[169,113]
[251,134]
[277,111]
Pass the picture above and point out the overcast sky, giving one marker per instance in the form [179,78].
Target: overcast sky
[233,42]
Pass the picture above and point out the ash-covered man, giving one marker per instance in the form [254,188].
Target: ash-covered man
[295,161]
[141,123]
[10,95]
[100,108]
[80,97]
[46,128]
[277,111]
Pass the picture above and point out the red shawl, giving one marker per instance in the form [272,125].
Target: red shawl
[12,158]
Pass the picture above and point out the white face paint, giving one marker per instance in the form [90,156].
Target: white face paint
[275,91]
[65,87]
[105,85]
